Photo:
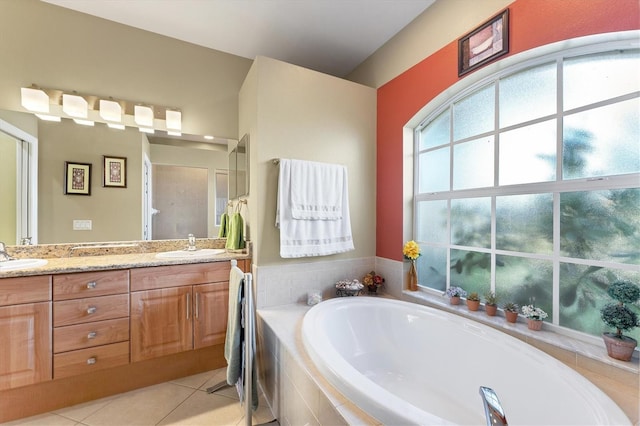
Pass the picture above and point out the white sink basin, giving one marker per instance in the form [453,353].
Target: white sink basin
[186,254]
[12,265]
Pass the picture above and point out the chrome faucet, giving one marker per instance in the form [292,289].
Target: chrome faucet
[4,256]
[26,241]
[192,243]
[492,407]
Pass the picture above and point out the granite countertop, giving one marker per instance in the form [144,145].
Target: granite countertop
[84,257]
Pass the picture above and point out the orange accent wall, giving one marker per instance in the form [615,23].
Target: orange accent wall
[533,23]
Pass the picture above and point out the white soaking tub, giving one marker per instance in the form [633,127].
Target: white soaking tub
[404,364]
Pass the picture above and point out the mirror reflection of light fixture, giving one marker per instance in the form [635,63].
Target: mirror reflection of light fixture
[75,106]
[115,126]
[208,137]
[35,100]
[143,116]
[83,122]
[146,130]
[110,111]
[49,117]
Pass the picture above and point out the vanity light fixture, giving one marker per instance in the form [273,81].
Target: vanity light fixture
[110,111]
[75,106]
[35,100]
[174,121]
[143,116]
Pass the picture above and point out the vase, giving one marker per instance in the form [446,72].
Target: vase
[454,300]
[534,324]
[511,317]
[473,305]
[619,348]
[491,310]
[373,289]
[413,277]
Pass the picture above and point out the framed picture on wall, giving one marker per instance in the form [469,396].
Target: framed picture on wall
[77,178]
[484,44]
[114,172]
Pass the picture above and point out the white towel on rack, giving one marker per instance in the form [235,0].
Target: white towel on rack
[311,237]
[316,190]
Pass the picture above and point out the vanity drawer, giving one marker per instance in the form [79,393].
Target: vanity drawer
[90,360]
[15,291]
[91,334]
[90,284]
[77,311]
[179,275]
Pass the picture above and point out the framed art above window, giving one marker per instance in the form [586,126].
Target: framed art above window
[484,44]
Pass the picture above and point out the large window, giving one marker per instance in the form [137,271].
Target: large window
[528,184]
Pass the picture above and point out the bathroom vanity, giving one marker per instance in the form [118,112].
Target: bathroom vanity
[85,327]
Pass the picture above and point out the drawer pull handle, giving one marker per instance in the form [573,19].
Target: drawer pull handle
[92,360]
[92,284]
[92,335]
[92,310]
[188,304]
[197,305]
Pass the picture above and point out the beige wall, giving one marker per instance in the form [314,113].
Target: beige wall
[115,212]
[58,48]
[293,112]
[444,21]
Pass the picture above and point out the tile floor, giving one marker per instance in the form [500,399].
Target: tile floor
[183,402]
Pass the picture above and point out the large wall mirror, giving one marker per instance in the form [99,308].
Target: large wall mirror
[239,169]
[113,213]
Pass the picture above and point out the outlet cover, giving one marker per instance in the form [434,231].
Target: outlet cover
[82,225]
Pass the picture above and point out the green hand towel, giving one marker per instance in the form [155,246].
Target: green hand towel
[224,226]
[235,238]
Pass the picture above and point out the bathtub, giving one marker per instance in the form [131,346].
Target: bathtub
[404,363]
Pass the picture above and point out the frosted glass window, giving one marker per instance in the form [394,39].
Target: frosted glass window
[524,223]
[434,171]
[523,281]
[431,221]
[471,222]
[602,141]
[583,292]
[473,164]
[601,225]
[437,132]
[528,95]
[593,78]
[528,154]
[474,114]
[432,268]
[471,270]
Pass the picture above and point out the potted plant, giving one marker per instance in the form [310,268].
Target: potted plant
[491,303]
[454,293]
[373,281]
[620,317]
[511,311]
[473,301]
[534,316]
[411,251]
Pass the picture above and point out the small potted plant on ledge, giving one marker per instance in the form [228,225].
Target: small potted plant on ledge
[454,293]
[534,316]
[511,311]
[373,281]
[491,303]
[620,317]
[473,301]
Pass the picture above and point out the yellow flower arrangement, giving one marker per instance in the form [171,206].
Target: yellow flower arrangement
[411,250]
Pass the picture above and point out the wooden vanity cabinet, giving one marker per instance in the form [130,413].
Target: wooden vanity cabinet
[178,308]
[91,321]
[25,331]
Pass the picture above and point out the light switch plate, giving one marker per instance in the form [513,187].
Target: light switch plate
[82,225]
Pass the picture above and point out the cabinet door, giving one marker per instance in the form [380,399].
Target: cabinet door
[211,307]
[161,322]
[25,344]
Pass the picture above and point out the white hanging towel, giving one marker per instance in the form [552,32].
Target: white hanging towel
[315,234]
